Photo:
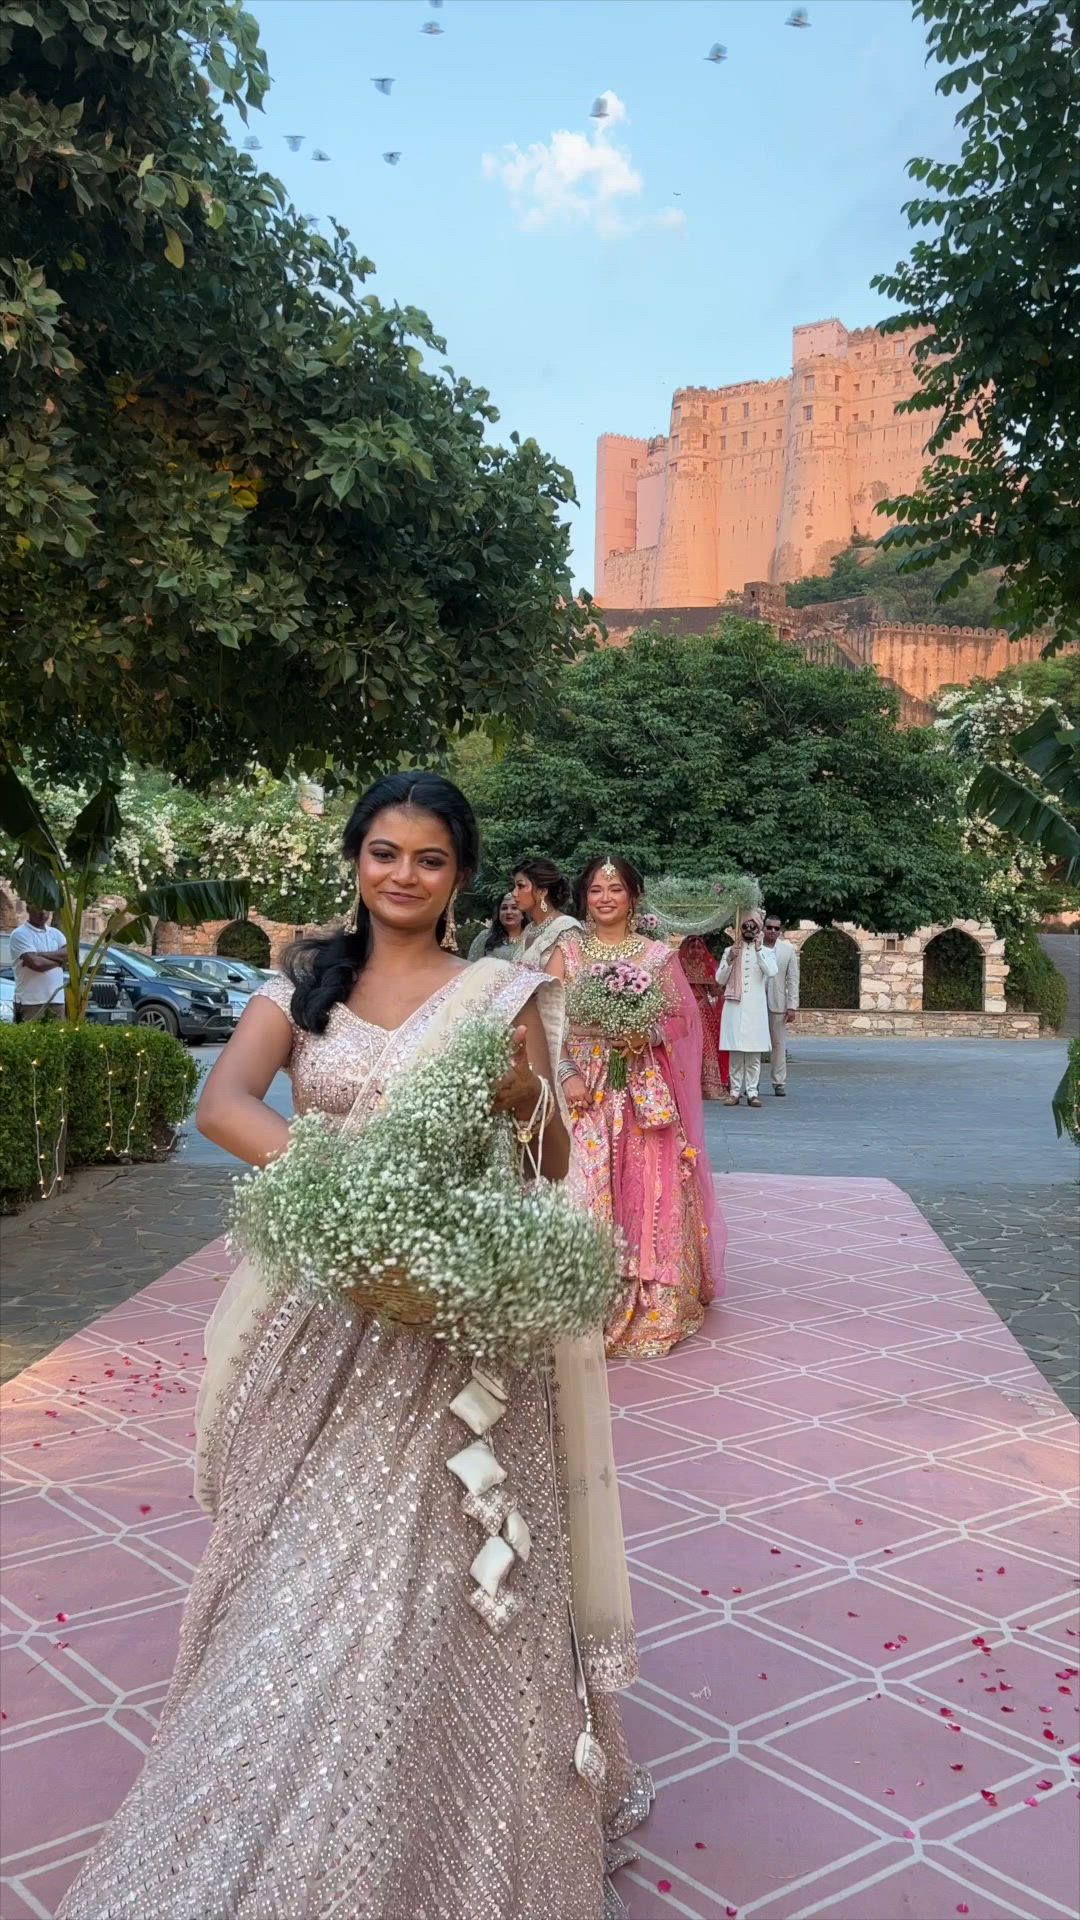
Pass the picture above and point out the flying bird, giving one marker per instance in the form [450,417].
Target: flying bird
[384,83]
[431,26]
[599,109]
[252,144]
[318,154]
[435,3]
[716,53]
[294,141]
[798,17]
[392,158]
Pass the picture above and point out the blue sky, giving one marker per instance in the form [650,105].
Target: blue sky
[579,269]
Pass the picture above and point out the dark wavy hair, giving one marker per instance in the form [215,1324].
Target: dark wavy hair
[325,970]
[545,875]
[497,934]
[632,880]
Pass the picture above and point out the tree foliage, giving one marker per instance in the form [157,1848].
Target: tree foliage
[864,572]
[996,283]
[62,874]
[731,751]
[240,517]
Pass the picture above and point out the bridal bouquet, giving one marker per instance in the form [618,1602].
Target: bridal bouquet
[624,1004]
[423,1218]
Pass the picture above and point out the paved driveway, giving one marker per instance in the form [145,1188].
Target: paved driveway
[964,1127]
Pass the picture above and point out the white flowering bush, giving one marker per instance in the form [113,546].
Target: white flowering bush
[431,1190]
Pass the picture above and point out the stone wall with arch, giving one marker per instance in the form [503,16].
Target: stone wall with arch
[891,986]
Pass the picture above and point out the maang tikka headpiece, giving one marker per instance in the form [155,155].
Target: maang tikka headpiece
[609,870]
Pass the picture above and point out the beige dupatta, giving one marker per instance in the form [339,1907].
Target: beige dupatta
[588,1496]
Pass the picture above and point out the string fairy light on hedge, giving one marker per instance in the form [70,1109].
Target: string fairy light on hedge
[110,1146]
[47,1192]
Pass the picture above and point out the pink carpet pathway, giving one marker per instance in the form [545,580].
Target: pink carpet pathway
[851,1512]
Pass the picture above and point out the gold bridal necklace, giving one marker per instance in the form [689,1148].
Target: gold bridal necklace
[625,949]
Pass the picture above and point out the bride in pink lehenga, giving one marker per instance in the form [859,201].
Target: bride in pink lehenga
[642,1158]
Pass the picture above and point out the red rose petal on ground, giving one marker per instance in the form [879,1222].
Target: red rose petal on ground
[774,1549]
[731,1912]
[1049,1734]
[664,1886]
[50,1415]
[891,1646]
[858,1523]
[909,1833]
[736,1589]
[705,1593]
[1074,1759]
[3,1716]
[989,1796]
[902,1637]
[852,1616]
[62,1617]
[1031,1802]
[1064,1689]
[954,1726]
[956,1766]
[37,1444]
[891,1792]
[1008,1709]
[699,1846]
[945,1712]
[1044,1786]
[146,1509]
[962,1907]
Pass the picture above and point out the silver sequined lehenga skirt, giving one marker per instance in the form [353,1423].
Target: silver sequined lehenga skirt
[345,1738]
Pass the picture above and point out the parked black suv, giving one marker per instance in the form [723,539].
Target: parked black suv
[162,1000]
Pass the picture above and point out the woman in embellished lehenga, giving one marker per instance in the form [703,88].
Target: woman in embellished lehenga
[359,1725]
[641,1150]
[699,967]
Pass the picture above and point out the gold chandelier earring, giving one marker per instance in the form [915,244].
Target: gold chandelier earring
[449,939]
[352,920]
[542,903]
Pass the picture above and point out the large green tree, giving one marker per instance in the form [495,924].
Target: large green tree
[694,755]
[244,513]
[995,280]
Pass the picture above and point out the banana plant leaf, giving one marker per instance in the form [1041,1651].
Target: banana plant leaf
[1052,753]
[186,902]
[23,821]
[999,796]
[91,839]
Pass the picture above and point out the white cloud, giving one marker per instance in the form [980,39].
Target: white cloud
[578,180]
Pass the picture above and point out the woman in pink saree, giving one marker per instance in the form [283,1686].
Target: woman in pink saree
[640,1150]
[699,967]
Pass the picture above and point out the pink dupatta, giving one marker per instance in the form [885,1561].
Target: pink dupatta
[685,1040]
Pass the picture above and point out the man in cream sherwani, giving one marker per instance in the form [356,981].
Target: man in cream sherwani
[782,993]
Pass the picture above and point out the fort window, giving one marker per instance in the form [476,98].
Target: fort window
[836,384]
[858,386]
[746,439]
[779,433]
[746,410]
[704,443]
[836,410]
[723,413]
[723,443]
[899,349]
[810,383]
[808,413]
[633,466]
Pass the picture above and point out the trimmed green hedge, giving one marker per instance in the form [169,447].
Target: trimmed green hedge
[953,973]
[33,1062]
[829,964]
[121,1092]
[1034,984]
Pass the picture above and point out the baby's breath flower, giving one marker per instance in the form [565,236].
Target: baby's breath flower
[432,1187]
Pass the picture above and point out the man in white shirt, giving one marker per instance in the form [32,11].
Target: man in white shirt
[782,991]
[39,978]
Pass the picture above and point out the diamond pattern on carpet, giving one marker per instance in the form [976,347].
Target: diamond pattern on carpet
[850,1506]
